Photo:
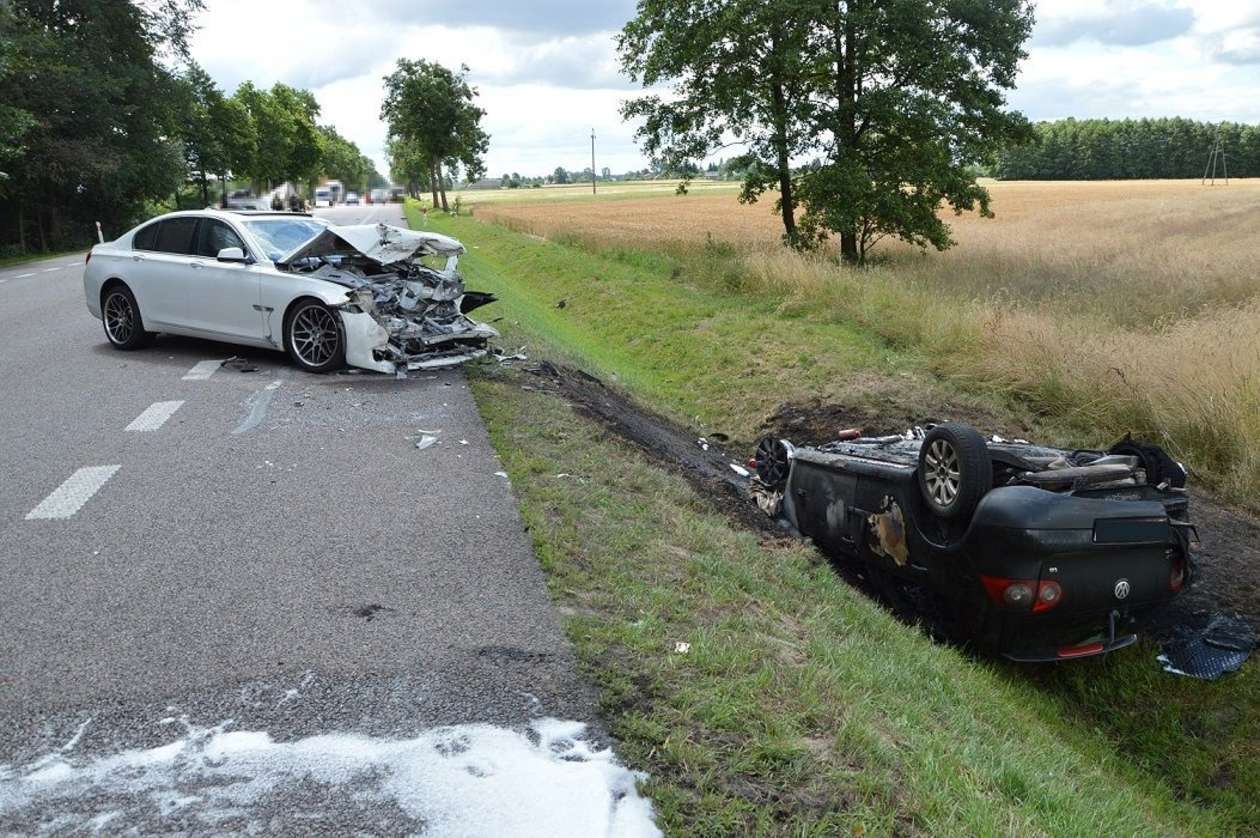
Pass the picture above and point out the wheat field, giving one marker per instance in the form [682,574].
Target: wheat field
[1104,306]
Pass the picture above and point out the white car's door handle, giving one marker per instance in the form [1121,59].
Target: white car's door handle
[196,265]
[137,258]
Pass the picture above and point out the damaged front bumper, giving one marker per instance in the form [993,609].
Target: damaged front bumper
[399,314]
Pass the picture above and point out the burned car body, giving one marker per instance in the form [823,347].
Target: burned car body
[1038,553]
[329,296]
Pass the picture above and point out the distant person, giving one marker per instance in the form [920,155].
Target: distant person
[276,203]
[295,203]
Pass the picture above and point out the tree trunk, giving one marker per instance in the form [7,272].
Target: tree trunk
[849,247]
[442,188]
[21,212]
[39,226]
[223,195]
[787,201]
[433,184]
[205,191]
[846,60]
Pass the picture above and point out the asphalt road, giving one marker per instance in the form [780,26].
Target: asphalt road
[277,552]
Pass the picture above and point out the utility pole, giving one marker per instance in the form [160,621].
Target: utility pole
[592,161]
[1216,154]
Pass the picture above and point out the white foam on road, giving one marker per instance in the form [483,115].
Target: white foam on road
[154,416]
[467,780]
[202,370]
[69,497]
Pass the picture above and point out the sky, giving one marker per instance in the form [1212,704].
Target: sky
[548,73]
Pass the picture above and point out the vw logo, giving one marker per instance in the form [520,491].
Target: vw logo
[1122,589]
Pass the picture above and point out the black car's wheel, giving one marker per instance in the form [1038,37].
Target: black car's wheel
[313,337]
[955,470]
[773,461]
[121,316]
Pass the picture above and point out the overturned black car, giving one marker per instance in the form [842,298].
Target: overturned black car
[1036,553]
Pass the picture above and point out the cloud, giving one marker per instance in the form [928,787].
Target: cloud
[1119,23]
[553,17]
[1240,46]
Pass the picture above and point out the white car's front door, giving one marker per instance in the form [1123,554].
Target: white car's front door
[222,297]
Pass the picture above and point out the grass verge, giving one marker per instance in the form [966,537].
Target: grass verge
[802,706]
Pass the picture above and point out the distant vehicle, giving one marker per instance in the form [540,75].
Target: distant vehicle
[352,199]
[378,196]
[336,192]
[397,194]
[329,296]
[244,199]
[323,197]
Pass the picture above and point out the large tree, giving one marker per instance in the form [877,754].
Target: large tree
[217,133]
[88,126]
[410,166]
[900,99]
[433,108]
[288,144]
[738,75]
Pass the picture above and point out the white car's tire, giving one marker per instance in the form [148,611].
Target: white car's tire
[124,327]
[314,337]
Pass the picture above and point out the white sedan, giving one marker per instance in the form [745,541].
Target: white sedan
[329,296]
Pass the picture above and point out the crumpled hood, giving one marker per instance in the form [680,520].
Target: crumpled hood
[382,243]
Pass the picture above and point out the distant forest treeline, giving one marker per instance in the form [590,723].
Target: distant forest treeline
[1109,149]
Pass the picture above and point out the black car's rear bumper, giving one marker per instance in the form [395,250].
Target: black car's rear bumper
[1081,646]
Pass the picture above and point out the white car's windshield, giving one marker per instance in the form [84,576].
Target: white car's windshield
[281,235]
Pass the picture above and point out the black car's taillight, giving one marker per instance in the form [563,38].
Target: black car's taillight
[1023,593]
[1177,577]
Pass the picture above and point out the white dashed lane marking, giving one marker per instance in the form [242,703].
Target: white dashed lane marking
[69,497]
[23,276]
[50,270]
[154,416]
[202,371]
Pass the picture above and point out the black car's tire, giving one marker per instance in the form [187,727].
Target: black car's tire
[955,470]
[314,338]
[124,327]
[773,461]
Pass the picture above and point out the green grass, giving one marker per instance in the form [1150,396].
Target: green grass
[709,358]
[14,261]
[802,708]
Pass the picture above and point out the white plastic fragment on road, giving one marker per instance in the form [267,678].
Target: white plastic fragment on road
[69,497]
[740,470]
[425,441]
[465,780]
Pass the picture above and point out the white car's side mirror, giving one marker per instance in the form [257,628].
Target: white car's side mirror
[232,254]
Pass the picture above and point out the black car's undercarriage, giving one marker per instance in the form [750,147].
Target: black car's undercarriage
[1037,553]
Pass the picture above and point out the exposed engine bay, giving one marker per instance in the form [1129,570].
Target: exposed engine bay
[400,314]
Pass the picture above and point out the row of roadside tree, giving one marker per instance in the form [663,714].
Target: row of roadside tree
[1117,149]
[105,117]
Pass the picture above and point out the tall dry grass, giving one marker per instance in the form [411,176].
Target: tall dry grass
[1103,307]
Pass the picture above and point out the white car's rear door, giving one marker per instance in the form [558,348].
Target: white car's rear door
[158,271]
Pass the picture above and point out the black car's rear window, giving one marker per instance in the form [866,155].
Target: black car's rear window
[146,238]
[176,235]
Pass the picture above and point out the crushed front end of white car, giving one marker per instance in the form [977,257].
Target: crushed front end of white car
[399,314]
